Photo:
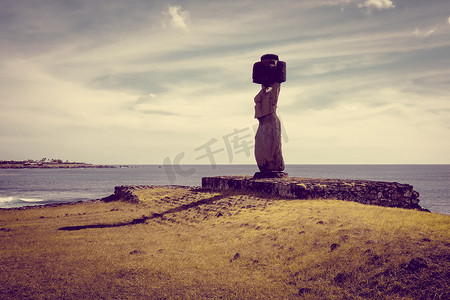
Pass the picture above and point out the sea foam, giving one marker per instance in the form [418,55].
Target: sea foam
[17,201]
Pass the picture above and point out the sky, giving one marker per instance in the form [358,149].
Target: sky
[153,82]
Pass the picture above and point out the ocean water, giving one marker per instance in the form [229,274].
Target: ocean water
[23,187]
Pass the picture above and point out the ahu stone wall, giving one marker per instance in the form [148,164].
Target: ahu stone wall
[389,194]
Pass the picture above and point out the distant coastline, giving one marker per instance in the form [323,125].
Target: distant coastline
[46,164]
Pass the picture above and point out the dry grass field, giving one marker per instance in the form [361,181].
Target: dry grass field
[188,243]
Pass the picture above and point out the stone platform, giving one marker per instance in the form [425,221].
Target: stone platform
[389,194]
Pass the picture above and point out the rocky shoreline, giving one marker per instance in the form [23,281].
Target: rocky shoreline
[47,165]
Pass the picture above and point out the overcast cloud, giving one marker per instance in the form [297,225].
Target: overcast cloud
[368,81]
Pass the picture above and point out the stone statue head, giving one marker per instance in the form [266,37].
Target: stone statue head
[269,70]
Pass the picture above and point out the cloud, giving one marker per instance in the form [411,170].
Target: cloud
[424,33]
[439,28]
[156,112]
[368,4]
[378,4]
[179,17]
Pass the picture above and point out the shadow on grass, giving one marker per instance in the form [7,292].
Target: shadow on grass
[146,218]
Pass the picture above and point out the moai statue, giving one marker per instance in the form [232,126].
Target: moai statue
[270,73]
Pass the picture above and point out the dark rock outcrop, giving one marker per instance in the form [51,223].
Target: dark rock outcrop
[124,193]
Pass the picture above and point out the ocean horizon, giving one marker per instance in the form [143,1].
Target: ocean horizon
[24,187]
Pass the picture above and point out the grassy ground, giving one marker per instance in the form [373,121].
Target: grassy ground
[184,243]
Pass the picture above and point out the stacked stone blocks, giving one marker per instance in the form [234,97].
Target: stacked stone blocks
[389,194]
